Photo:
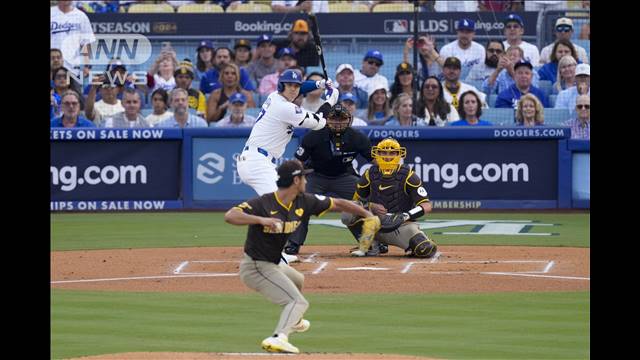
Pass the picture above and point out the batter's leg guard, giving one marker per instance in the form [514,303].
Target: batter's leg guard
[421,246]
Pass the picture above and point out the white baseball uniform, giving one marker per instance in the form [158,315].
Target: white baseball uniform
[76,28]
[269,138]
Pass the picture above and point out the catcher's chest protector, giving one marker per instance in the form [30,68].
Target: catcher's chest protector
[389,190]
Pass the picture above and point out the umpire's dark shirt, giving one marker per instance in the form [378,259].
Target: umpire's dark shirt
[307,56]
[328,155]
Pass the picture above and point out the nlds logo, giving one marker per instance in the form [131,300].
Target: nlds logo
[396,26]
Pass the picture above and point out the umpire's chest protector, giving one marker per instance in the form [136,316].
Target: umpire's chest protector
[389,190]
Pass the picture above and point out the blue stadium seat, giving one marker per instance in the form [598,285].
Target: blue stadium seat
[546,86]
[252,111]
[475,83]
[498,116]
[556,116]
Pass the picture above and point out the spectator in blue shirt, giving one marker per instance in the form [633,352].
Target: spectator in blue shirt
[567,98]
[70,112]
[523,75]
[204,58]
[211,80]
[561,48]
[470,109]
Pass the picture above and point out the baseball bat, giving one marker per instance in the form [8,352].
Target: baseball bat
[316,37]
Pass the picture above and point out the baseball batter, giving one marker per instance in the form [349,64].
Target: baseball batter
[391,187]
[272,218]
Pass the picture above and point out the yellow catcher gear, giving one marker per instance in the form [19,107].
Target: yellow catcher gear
[388,153]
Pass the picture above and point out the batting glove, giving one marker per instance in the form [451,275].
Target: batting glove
[323,84]
[331,95]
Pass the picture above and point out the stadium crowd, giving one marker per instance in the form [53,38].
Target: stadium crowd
[456,83]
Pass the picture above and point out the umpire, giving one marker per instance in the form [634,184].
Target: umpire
[330,153]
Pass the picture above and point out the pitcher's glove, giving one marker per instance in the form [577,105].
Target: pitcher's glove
[390,222]
[370,227]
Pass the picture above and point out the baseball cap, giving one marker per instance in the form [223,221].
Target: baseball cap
[342,67]
[242,43]
[264,38]
[285,51]
[564,21]
[512,18]
[300,26]
[347,96]
[466,24]
[205,44]
[583,69]
[404,68]
[237,97]
[185,67]
[452,61]
[376,86]
[523,62]
[374,54]
[290,169]
[116,64]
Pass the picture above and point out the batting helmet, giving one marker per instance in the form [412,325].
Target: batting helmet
[387,154]
[289,76]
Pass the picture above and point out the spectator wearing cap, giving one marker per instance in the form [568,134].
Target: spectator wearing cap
[379,109]
[130,117]
[428,57]
[563,31]
[482,71]
[470,110]
[160,104]
[513,31]
[348,100]
[236,116]
[109,105]
[432,106]
[402,108]
[218,102]
[403,82]
[503,77]
[561,48]
[211,80]
[265,62]
[313,99]
[204,60]
[300,41]
[581,123]
[285,60]
[117,71]
[242,50]
[296,6]
[345,81]
[529,112]
[452,85]
[464,48]
[523,75]
[369,74]
[567,98]
[71,114]
[179,100]
[184,77]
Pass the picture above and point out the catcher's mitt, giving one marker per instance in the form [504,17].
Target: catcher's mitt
[390,222]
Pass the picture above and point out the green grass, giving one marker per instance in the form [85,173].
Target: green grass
[148,230]
[461,326]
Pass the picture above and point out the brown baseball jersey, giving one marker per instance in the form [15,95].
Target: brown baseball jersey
[400,192]
[264,244]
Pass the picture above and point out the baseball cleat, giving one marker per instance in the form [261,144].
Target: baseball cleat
[302,326]
[279,344]
[358,253]
[289,258]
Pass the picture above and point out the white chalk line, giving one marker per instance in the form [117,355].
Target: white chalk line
[363,268]
[256,354]
[537,275]
[143,278]
[180,267]
[310,258]
[407,268]
[320,268]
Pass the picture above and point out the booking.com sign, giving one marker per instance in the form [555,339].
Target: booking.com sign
[133,49]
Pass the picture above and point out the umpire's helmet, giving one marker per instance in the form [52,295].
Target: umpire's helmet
[387,154]
[289,76]
[339,119]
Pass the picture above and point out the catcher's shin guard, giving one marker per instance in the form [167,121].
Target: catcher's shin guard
[421,246]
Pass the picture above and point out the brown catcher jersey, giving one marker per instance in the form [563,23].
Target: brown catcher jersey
[400,192]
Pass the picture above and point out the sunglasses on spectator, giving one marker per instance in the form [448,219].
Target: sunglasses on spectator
[495,51]
[564,28]
[583,106]
[376,63]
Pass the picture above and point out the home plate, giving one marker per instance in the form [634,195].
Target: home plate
[363,268]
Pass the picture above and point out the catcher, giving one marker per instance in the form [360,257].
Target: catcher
[395,193]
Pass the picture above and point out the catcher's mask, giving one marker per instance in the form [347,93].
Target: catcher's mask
[339,119]
[388,153]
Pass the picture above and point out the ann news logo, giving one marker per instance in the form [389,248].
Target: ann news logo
[131,49]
